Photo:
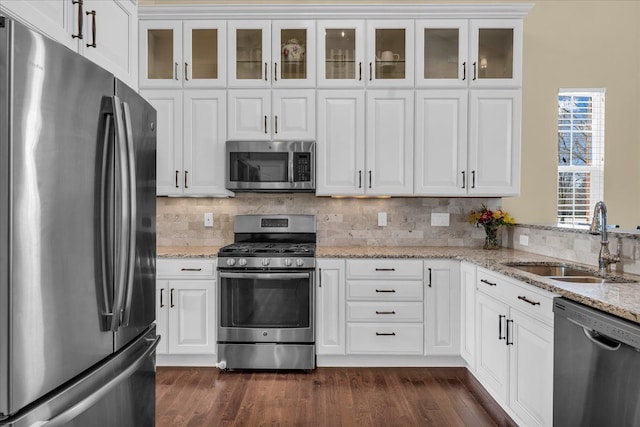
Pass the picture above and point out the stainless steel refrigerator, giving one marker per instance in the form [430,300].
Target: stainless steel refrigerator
[77,240]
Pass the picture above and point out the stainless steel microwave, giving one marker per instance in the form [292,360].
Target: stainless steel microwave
[273,166]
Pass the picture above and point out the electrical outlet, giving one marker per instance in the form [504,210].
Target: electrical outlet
[208,219]
[524,240]
[382,219]
[439,219]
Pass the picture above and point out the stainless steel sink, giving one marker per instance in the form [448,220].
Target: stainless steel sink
[551,270]
[578,279]
[564,273]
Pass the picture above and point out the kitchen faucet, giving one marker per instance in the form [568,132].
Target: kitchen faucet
[599,226]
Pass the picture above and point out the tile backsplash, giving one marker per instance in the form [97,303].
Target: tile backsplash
[341,221]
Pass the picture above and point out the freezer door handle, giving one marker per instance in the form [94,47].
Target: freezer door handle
[133,215]
[80,407]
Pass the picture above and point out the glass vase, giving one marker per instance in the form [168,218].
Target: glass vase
[491,238]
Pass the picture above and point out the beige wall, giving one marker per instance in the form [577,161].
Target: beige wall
[568,43]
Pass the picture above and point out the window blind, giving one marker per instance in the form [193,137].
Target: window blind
[580,154]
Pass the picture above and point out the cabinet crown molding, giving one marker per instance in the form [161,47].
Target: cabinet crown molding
[332,11]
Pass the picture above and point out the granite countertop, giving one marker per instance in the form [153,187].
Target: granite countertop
[617,298]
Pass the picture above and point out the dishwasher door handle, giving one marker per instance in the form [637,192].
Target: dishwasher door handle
[597,338]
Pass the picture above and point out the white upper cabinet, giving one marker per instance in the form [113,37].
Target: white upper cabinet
[390,53]
[365,154]
[441,142]
[265,115]
[389,151]
[469,53]
[191,138]
[340,147]
[265,54]
[494,142]
[341,54]
[176,54]
[467,148]
[105,31]
[57,19]
[110,33]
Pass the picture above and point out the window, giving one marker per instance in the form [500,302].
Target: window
[580,154]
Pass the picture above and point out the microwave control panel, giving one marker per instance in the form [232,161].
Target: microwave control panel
[301,167]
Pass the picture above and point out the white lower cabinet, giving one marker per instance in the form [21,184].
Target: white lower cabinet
[384,303]
[330,321]
[467,313]
[185,307]
[514,354]
[442,307]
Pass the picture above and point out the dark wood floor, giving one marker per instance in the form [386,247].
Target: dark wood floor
[324,397]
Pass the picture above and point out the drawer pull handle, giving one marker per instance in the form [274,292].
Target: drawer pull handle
[488,282]
[393,291]
[525,299]
[191,269]
[385,312]
[385,269]
[390,334]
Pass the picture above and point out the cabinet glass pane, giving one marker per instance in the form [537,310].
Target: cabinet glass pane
[441,54]
[390,53]
[495,53]
[340,54]
[204,53]
[160,58]
[293,58]
[249,54]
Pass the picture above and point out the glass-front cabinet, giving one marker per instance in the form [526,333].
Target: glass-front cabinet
[475,53]
[175,54]
[271,54]
[341,53]
[390,53]
[442,53]
[249,53]
[496,52]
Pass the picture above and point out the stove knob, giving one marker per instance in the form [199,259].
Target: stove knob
[299,262]
[287,262]
[242,262]
[231,262]
[265,261]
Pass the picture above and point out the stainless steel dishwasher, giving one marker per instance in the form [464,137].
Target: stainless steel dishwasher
[596,368]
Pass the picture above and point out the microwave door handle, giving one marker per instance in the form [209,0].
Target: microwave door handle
[272,276]
[291,166]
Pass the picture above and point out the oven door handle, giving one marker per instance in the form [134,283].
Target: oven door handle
[274,276]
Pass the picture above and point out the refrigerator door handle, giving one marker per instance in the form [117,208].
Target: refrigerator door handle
[80,407]
[122,234]
[133,217]
[106,219]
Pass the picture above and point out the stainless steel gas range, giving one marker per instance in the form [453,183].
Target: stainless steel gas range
[266,293]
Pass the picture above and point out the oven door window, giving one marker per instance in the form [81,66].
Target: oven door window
[259,167]
[264,303]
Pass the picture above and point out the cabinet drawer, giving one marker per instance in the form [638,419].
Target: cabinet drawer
[184,268]
[521,296]
[384,268]
[384,311]
[384,290]
[382,338]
